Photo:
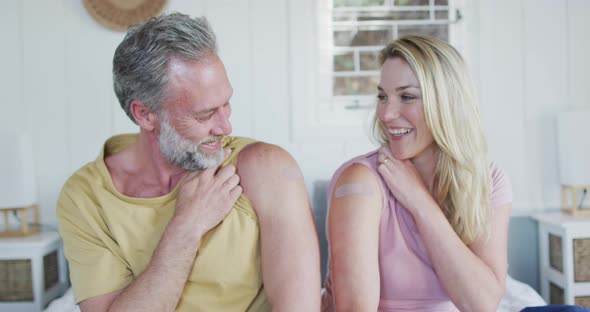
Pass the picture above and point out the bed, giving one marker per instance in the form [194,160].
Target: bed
[518,296]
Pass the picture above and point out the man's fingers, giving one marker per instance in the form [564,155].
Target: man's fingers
[225,173]
[235,193]
[233,181]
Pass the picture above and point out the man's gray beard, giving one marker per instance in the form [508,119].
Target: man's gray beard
[185,154]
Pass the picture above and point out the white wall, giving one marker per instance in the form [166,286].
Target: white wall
[528,58]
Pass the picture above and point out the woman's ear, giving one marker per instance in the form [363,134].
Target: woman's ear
[144,117]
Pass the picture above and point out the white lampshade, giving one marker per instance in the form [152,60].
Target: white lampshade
[18,187]
[573,135]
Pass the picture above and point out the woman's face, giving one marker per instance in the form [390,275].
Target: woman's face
[400,111]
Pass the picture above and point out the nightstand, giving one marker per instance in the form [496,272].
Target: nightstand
[33,271]
[564,250]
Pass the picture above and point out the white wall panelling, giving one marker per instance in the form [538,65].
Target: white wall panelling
[11,62]
[528,59]
[545,94]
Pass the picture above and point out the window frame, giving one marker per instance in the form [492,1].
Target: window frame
[316,113]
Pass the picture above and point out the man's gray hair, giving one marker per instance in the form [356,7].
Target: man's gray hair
[140,65]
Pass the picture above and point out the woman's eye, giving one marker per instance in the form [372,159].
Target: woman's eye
[381,98]
[407,97]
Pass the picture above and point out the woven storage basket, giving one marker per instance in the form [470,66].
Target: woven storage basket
[50,270]
[583,301]
[555,252]
[582,260]
[556,294]
[16,283]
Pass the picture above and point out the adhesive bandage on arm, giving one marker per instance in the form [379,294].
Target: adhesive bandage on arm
[348,189]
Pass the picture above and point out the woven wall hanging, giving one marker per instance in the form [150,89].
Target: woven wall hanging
[118,15]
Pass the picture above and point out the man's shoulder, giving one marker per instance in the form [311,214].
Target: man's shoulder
[77,190]
[86,174]
[96,170]
[264,156]
[260,164]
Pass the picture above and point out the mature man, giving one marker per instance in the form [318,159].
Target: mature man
[181,216]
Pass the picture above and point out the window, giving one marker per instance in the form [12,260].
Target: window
[358,29]
[334,69]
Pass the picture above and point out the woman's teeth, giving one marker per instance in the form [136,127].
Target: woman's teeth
[400,132]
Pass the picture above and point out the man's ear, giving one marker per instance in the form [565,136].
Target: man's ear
[144,117]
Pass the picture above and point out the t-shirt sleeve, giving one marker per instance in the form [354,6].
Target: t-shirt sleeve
[94,268]
[501,189]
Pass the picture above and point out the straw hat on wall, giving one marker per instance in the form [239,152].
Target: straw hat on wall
[120,14]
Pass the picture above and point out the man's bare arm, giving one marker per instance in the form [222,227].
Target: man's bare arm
[290,254]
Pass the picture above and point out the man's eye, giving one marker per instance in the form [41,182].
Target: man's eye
[204,118]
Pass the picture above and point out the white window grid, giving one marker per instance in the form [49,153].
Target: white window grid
[352,12]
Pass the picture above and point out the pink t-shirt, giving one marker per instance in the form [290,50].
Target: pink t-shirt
[408,280]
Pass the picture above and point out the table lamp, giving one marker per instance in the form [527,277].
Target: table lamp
[18,187]
[573,135]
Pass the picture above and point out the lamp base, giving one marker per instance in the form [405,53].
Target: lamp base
[22,214]
[573,206]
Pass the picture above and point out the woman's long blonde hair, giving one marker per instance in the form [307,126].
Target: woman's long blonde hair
[462,178]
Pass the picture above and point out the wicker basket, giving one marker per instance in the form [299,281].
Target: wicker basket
[556,294]
[582,260]
[583,301]
[50,270]
[16,283]
[555,252]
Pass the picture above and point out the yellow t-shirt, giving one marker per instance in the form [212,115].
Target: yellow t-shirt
[109,240]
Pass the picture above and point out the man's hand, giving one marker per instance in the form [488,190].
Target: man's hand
[206,197]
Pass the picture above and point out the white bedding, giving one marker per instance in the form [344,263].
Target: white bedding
[518,296]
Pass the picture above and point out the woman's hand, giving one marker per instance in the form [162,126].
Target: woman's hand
[403,180]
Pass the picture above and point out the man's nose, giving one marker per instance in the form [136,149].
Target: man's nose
[222,125]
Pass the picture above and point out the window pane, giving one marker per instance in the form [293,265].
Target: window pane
[381,16]
[411,2]
[369,60]
[362,38]
[441,2]
[343,38]
[356,85]
[441,15]
[344,62]
[357,3]
[437,31]
[394,16]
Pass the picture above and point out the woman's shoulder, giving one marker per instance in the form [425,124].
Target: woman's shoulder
[501,187]
[359,174]
[366,162]
[356,172]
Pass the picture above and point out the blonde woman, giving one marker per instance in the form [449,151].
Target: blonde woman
[421,223]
